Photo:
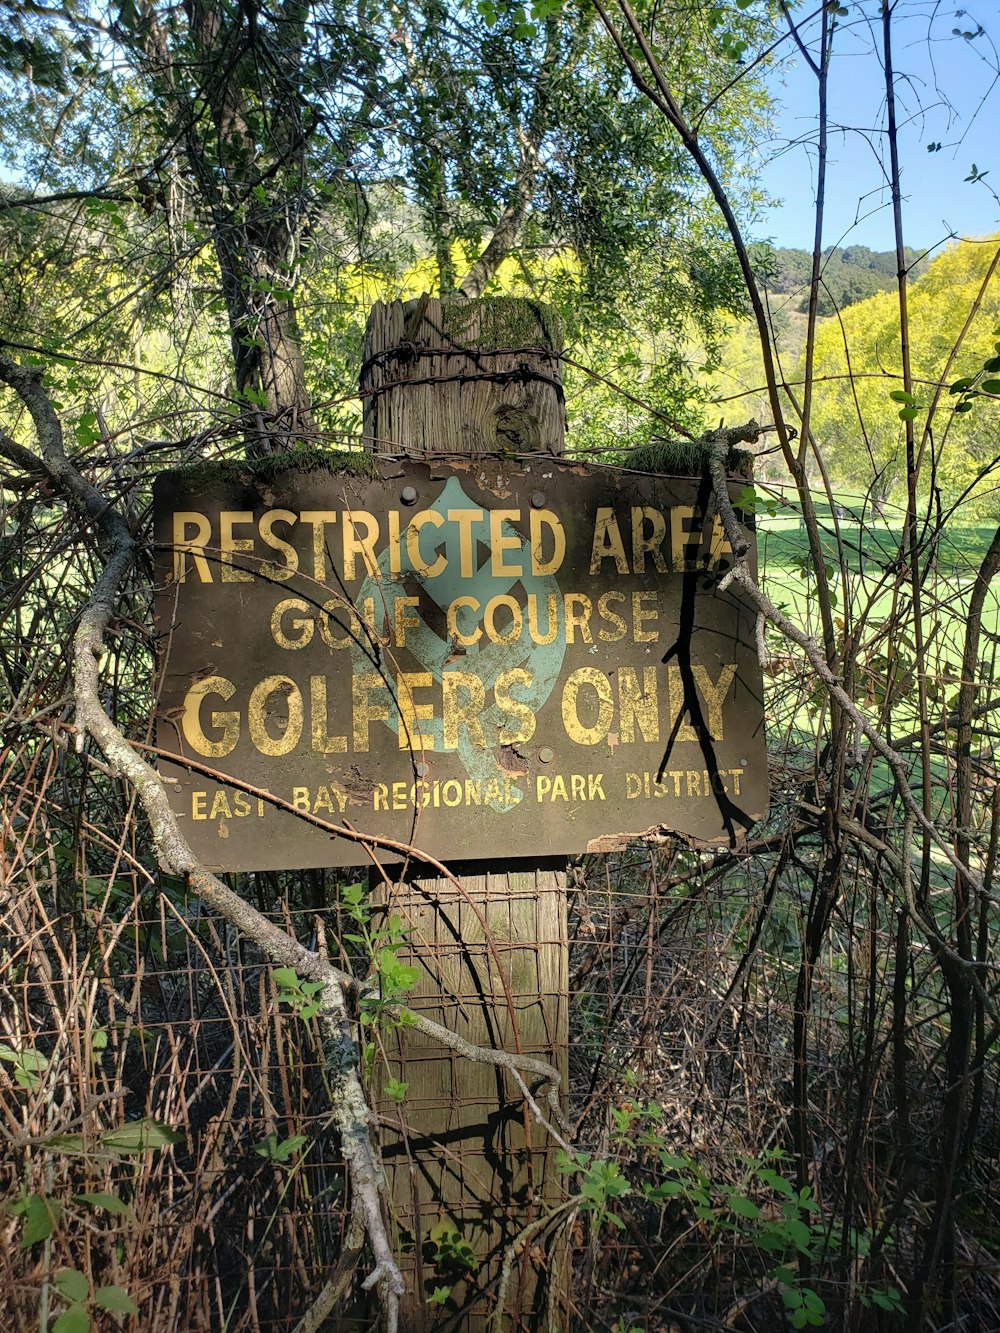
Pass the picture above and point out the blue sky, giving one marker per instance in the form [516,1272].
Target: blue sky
[947,92]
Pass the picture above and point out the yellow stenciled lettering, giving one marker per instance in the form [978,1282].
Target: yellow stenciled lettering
[578,609]
[395,557]
[401,622]
[322,741]
[714,695]
[465,518]
[227,723]
[418,521]
[675,691]
[271,569]
[499,544]
[683,543]
[257,710]
[318,519]
[551,619]
[229,545]
[365,710]
[360,533]
[514,735]
[411,713]
[537,520]
[513,631]
[640,614]
[612,617]
[608,543]
[577,730]
[198,802]
[323,802]
[456,714]
[193,545]
[465,640]
[648,543]
[719,548]
[638,706]
[220,806]
[353,627]
[296,632]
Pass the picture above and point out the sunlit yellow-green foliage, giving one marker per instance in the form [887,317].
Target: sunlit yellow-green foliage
[128,348]
[124,349]
[655,365]
[858,365]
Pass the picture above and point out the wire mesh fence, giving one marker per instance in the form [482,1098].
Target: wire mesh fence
[764,1105]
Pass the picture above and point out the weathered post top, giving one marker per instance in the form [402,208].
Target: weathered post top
[469,377]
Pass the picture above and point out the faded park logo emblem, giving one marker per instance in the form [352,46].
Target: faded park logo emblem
[508,647]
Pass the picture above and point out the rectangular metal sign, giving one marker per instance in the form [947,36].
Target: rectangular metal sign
[482,659]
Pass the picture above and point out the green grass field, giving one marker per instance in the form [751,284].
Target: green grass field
[870,595]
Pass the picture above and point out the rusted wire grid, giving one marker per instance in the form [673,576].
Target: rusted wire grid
[665,942]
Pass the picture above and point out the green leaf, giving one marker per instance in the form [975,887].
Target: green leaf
[901,396]
[40,1215]
[286,977]
[109,1202]
[71,1285]
[114,1298]
[67,1143]
[28,1065]
[283,1151]
[141,1136]
[396,1090]
[799,1234]
[990,386]
[908,413]
[778,1183]
[74,1320]
[439,1296]
[742,1206]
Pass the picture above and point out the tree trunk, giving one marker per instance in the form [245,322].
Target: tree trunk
[464,1155]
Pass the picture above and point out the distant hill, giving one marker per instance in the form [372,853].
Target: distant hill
[849,274]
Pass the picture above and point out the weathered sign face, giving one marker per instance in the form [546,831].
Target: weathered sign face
[482,659]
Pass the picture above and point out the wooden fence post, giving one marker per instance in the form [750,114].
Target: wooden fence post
[467,1163]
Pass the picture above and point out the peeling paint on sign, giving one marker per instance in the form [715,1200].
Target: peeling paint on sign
[515,659]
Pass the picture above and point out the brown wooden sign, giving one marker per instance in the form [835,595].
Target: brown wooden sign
[483,659]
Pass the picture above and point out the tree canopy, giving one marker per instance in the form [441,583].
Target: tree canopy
[242,170]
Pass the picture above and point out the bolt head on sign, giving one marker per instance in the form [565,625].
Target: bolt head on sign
[477,658]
